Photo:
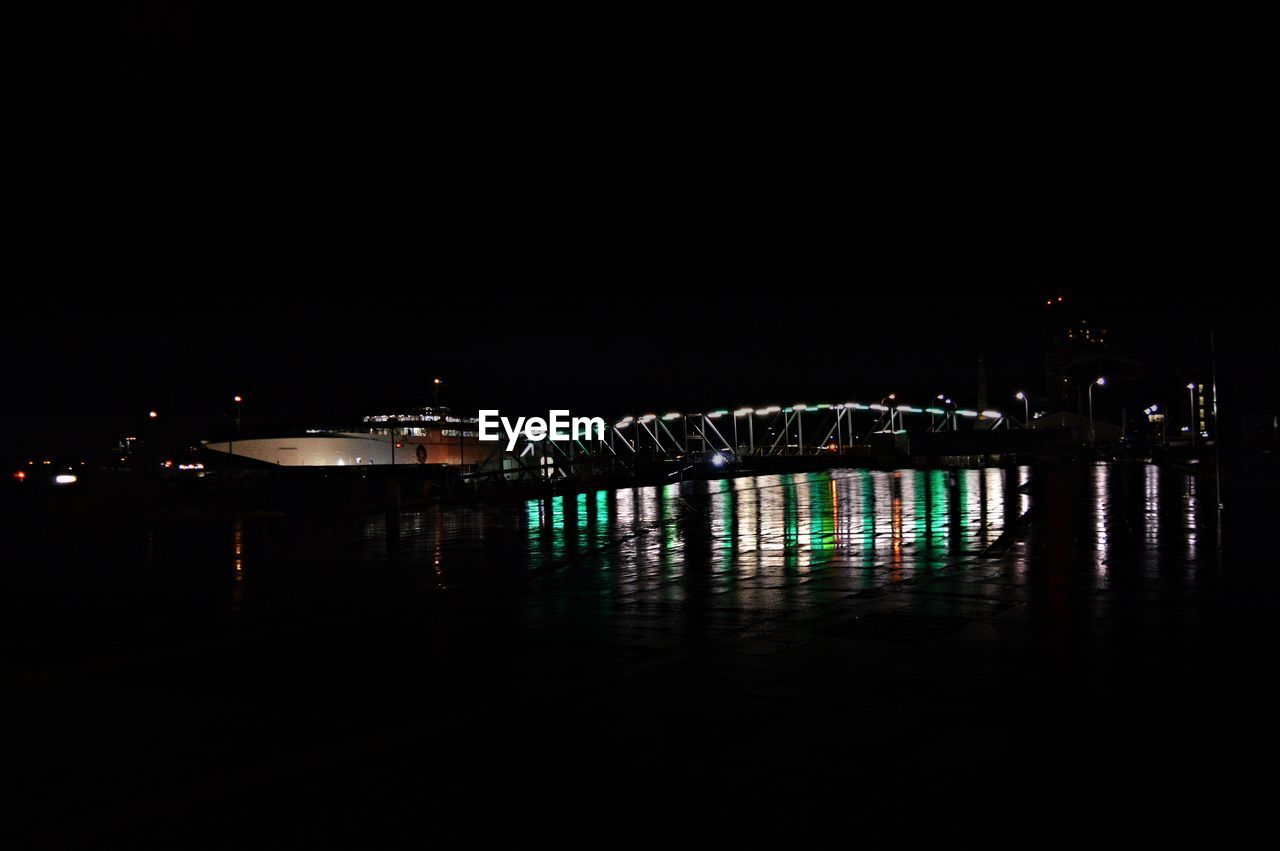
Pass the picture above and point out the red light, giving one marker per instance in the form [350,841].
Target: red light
[20,475]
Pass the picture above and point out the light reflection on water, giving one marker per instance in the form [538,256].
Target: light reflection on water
[903,520]
[1190,513]
[770,531]
[1101,506]
[777,542]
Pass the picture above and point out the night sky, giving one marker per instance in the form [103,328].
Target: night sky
[232,206]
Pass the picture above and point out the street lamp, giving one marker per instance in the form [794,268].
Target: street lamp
[239,400]
[948,412]
[1100,382]
[890,398]
[437,382]
[151,415]
[1026,409]
[1191,391]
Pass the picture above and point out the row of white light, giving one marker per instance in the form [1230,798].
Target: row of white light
[774,409]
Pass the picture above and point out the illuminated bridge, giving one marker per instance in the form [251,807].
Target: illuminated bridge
[781,431]
[756,438]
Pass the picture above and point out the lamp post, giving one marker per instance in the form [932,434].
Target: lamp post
[1100,382]
[436,382]
[150,440]
[799,408]
[1026,409]
[948,411]
[1191,393]
[239,400]
[890,398]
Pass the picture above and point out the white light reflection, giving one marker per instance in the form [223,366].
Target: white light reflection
[1101,507]
[1193,549]
[993,520]
[881,516]
[1151,508]
[1024,499]
[804,522]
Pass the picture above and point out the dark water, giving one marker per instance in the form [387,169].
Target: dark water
[153,582]
[913,627]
